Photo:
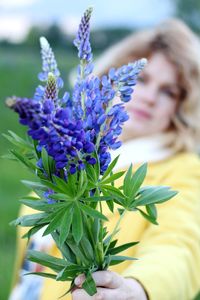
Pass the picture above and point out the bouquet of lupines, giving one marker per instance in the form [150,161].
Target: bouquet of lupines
[69,139]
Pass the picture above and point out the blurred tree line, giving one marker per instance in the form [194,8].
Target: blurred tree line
[100,39]
[187,10]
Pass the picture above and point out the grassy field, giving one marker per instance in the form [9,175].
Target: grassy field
[18,76]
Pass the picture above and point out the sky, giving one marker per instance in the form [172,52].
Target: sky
[17,16]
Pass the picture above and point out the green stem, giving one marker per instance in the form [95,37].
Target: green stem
[115,230]
[82,65]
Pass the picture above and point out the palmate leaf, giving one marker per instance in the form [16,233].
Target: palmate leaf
[64,187]
[57,219]
[54,263]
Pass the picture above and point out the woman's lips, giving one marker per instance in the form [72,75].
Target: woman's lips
[140,113]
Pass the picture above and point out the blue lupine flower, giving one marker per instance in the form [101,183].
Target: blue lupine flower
[47,196]
[71,129]
[82,39]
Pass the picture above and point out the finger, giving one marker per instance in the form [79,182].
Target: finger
[83,295]
[107,279]
[102,294]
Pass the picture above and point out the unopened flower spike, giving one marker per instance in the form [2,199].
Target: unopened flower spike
[82,39]
[51,91]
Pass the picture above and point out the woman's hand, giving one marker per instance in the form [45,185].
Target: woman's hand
[110,286]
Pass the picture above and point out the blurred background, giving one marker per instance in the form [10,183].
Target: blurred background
[22,22]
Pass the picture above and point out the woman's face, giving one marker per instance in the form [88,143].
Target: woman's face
[155,99]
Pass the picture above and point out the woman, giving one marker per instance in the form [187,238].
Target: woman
[163,130]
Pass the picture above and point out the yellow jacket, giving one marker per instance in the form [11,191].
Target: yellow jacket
[168,255]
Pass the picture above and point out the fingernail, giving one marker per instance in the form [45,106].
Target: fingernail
[77,281]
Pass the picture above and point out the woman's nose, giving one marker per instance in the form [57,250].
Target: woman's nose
[149,94]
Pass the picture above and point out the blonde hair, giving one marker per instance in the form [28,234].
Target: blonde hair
[182,47]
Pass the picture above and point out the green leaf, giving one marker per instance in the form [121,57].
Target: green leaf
[151,210]
[72,184]
[110,168]
[76,250]
[40,204]
[69,272]
[155,195]
[77,224]
[127,181]
[96,229]
[34,185]
[91,174]
[97,198]
[25,161]
[64,186]
[82,184]
[89,284]
[65,226]
[30,220]
[45,161]
[121,248]
[87,248]
[54,263]
[148,217]
[60,196]
[47,275]
[18,141]
[117,259]
[64,249]
[112,178]
[32,231]
[92,212]
[137,179]
[55,222]
[51,186]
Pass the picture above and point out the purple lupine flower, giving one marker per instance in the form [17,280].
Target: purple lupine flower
[47,196]
[82,39]
[49,63]
[71,129]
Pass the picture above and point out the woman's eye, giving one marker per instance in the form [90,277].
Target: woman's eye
[141,79]
[171,94]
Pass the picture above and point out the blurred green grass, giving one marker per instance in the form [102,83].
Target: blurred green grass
[18,76]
